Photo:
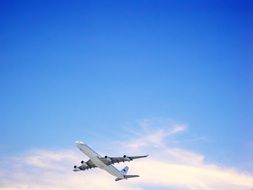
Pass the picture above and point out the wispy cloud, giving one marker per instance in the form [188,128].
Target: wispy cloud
[168,167]
[153,133]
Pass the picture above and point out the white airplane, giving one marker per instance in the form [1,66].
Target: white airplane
[105,162]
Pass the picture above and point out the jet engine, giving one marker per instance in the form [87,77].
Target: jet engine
[108,159]
[126,158]
[83,163]
[76,169]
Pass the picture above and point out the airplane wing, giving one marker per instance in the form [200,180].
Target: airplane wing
[85,166]
[112,160]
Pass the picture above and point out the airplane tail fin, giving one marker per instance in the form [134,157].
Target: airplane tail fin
[124,170]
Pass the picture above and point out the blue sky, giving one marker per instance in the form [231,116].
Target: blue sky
[87,69]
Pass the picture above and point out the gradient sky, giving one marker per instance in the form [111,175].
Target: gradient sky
[87,69]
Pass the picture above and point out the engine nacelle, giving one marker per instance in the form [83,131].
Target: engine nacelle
[126,158]
[108,159]
[83,163]
[76,169]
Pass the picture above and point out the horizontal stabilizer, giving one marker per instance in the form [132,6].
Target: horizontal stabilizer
[126,177]
[131,176]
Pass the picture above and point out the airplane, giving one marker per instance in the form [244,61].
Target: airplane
[105,163]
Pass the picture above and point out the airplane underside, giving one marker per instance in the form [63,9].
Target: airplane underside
[105,163]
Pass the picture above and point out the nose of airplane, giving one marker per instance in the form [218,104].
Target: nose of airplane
[79,143]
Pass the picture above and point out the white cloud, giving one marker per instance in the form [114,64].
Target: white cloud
[153,133]
[167,167]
